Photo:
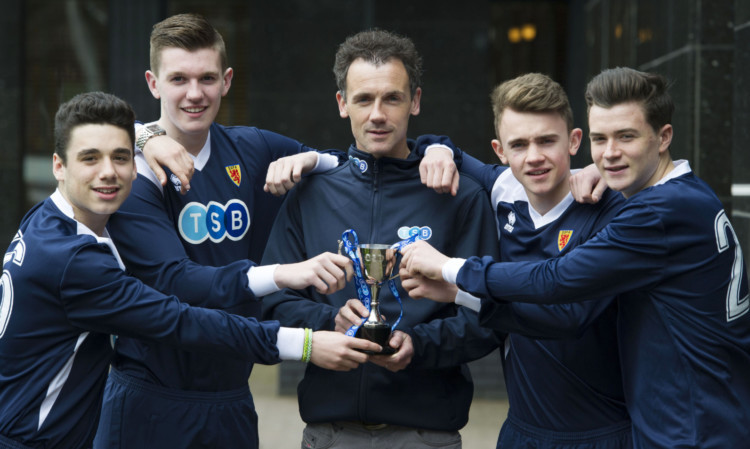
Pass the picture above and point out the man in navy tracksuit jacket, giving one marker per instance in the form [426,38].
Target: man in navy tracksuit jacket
[381,200]
[420,396]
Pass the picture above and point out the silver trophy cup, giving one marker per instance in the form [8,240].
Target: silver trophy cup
[380,262]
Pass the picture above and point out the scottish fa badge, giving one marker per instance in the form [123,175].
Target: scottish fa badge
[234,174]
[563,238]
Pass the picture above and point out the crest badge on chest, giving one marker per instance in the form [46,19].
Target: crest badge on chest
[235,174]
[563,238]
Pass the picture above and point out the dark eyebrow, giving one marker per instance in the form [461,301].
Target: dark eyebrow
[120,151]
[180,73]
[87,152]
[361,95]
[515,141]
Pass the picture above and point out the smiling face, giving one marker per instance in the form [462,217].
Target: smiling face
[628,152]
[537,146]
[98,174]
[190,85]
[378,105]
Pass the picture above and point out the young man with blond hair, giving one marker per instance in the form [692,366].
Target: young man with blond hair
[560,362]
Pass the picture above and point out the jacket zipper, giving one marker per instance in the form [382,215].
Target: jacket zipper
[375,201]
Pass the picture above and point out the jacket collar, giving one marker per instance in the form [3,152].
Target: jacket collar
[365,164]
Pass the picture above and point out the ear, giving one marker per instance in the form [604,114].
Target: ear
[135,170]
[58,168]
[497,146]
[575,141]
[151,81]
[228,74]
[415,106]
[665,137]
[342,105]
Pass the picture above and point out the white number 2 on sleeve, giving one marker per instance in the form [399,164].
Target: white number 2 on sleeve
[736,306]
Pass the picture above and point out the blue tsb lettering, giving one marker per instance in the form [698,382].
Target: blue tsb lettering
[424,232]
[215,221]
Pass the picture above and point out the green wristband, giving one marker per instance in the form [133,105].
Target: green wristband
[307,350]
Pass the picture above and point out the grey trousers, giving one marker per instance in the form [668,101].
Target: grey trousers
[352,435]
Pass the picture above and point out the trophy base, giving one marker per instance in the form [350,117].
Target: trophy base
[379,333]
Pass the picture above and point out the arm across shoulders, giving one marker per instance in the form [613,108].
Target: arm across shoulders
[628,254]
[151,249]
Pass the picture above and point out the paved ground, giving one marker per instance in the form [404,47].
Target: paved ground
[281,427]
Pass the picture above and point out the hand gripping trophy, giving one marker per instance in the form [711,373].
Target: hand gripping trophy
[380,265]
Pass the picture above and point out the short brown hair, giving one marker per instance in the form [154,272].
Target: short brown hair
[532,92]
[186,31]
[97,108]
[624,85]
[378,47]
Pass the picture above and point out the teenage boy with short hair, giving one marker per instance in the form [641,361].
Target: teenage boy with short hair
[63,291]
[200,246]
[672,257]
[566,354]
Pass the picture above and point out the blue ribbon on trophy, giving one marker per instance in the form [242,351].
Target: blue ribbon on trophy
[379,264]
[350,244]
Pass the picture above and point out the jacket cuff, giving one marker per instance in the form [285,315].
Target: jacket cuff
[468,300]
[451,268]
[439,145]
[325,163]
[290,342]
[260,280]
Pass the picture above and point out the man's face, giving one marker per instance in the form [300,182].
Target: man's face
[190,85]
[98,174]
[537,146]
[378,104]
[625,148]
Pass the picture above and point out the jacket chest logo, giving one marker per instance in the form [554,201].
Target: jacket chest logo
[511,221]
[563,237]
[175,182]
[362,165]
[424,232]
[235,174]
